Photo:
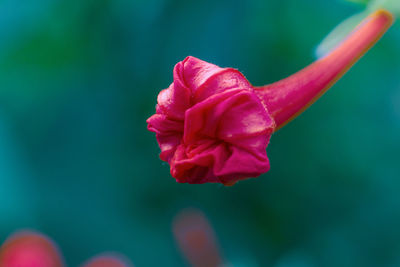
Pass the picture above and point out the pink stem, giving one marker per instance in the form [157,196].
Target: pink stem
[287,98]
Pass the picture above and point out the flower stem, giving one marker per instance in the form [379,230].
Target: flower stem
[287,98]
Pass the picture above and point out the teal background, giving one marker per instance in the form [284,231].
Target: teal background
[79,78]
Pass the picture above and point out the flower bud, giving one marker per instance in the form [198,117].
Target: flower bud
[213,126]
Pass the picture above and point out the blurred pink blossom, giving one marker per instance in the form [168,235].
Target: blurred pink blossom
[196,239]
[32,249]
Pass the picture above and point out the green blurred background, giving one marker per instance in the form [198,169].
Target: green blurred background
[78,79]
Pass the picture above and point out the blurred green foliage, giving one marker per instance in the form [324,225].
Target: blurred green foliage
[391,5]
[343,29]
[79,78]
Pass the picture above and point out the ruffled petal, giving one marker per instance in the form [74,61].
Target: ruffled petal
[193,72]
[241,164]
[168,145]
[189,75]
[196,169]
[224,140]
[223,80]
[162,124]
[168,134]
[173,101]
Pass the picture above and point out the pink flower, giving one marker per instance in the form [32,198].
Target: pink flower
[212,125]
[31,249]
